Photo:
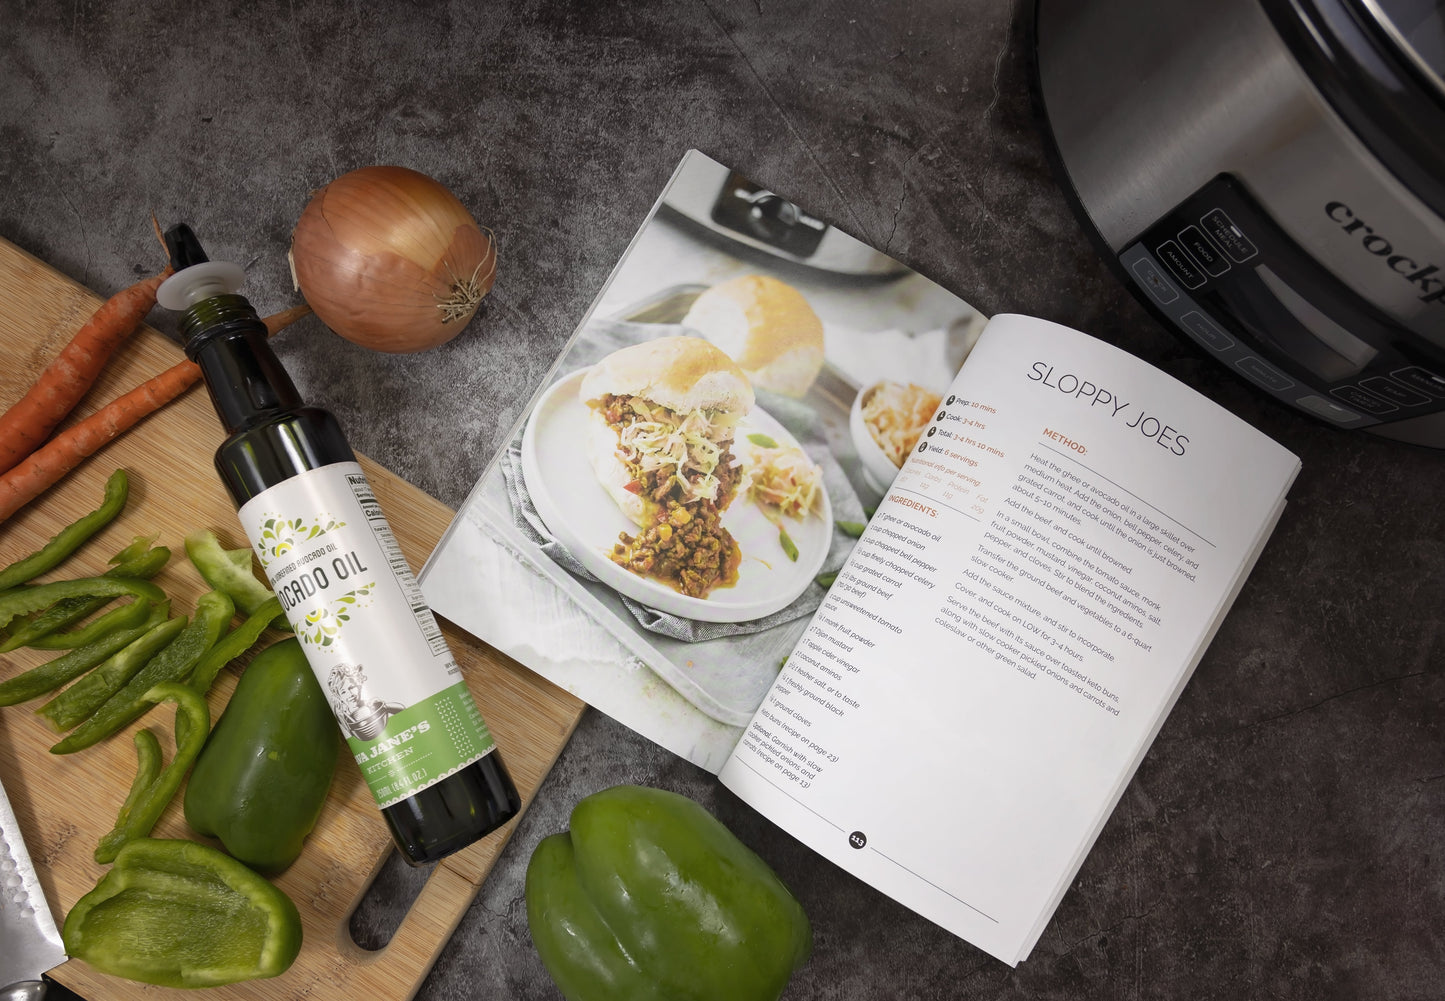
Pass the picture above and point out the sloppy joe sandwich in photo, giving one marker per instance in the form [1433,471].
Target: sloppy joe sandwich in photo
[664,413]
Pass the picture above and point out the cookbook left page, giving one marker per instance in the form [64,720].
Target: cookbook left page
[696,466]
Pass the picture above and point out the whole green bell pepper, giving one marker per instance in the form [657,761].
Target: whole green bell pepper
[650,897]
[262,778]
[181,914]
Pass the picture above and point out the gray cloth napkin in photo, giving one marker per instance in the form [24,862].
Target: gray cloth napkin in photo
[601,338]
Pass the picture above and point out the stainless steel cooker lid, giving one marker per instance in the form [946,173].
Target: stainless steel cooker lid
[1380,64]
[1417,27]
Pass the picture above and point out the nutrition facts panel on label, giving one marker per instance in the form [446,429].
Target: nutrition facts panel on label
[425,620]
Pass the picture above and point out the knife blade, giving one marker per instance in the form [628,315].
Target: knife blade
[31,940]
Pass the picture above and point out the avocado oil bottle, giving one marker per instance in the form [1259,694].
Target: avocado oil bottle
[319,534]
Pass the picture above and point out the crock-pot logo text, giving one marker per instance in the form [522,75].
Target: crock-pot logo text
[1134,417]
[1428,278]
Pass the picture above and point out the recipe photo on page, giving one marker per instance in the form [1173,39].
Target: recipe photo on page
[1004,641]
[671,508]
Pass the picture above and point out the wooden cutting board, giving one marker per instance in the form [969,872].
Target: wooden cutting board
[66,803]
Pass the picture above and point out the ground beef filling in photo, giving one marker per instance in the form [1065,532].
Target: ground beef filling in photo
[686,548]
[686,545]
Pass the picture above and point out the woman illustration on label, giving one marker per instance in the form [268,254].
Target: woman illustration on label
[360,715]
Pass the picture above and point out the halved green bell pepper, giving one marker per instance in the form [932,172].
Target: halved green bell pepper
[262,778]
[181,914]
[650,897]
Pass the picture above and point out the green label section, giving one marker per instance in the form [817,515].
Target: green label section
[423,745]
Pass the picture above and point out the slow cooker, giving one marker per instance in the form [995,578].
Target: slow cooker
[1269,178]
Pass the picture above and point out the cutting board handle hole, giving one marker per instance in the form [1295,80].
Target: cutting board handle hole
[386,902]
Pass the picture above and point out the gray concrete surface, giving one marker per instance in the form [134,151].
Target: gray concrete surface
[1284,837]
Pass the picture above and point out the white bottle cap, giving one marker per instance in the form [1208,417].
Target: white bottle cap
[189,286]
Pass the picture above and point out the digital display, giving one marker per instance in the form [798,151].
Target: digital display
[1339,354]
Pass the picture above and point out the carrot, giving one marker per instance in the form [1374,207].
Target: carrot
[45,467]
[60,387]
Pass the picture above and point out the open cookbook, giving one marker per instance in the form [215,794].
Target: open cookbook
[921,586]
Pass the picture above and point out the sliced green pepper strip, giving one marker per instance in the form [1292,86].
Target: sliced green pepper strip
[214,612]
[227,570]
[235,643]
[138,547]
[54,673]
[76,703]
[147,805]
[23,600]
[127,615]
[44,625]
[70,538]
[182,914]
[147,770]
[145,566]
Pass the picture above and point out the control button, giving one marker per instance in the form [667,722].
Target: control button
[1203,251]
[1224,232]
[1205,331]
[1362,400]
[1422,379]
[1180,263]
[1154,282]
[1328,409]
[1264,373]
[1393,391]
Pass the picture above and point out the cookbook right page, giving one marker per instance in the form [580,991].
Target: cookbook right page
[1005,640]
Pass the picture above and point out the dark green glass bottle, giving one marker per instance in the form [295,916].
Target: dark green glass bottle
[349,594]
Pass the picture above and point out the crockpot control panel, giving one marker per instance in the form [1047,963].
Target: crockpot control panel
[1229,278]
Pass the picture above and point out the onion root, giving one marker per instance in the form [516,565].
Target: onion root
[467,293]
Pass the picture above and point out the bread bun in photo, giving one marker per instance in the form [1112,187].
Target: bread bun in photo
[680,373]
[600,446]
[767,327]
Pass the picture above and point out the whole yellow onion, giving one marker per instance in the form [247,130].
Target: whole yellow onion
[391,260]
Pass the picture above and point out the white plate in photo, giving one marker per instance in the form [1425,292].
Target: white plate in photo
[581,515]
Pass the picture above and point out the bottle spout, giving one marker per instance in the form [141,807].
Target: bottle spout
[197,277]
[184,247]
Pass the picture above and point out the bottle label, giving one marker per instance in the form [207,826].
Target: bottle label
[368,634]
